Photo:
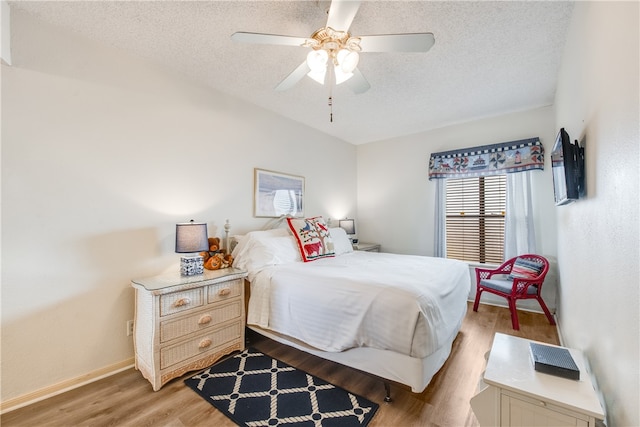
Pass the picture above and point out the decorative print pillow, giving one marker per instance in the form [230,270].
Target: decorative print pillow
[525,269]
[313,237]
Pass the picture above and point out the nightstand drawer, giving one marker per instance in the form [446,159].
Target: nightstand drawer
[200,344]
[224,291]
[180,301]
[173,329]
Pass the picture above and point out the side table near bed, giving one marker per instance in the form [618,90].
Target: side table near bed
[186,323]
[368,247]
[513,393]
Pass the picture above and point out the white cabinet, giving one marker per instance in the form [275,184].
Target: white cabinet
[518,410]
[367,247]
[185,323]
[512,393]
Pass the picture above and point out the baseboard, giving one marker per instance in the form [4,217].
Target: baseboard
[61,387]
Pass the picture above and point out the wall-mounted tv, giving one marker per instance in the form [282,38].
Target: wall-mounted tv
[567,161]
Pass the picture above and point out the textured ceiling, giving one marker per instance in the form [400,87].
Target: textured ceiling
[489,58]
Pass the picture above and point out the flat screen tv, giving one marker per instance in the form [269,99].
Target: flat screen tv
[567,164]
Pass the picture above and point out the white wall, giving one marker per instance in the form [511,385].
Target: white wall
[101,155]
[598,237]
[396,199]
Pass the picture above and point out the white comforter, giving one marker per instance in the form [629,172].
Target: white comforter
[408,304]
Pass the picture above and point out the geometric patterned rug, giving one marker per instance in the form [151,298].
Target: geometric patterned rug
[253,389]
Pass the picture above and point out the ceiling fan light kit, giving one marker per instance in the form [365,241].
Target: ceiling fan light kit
[348,60]
[338,46]
[340,75]
[336,51]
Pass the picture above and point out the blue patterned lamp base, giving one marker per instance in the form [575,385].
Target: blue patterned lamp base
[191,265]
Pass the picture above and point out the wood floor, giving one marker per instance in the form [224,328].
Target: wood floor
[126,399]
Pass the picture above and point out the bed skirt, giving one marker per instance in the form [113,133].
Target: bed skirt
[413,372]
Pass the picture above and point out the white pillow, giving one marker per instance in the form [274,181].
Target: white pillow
[259,249]
[243,242]
[341,242]
[284,249]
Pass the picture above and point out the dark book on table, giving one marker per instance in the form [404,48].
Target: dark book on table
[554,360]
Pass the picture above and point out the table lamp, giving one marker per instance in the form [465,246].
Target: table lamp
[191,237]
[349,225]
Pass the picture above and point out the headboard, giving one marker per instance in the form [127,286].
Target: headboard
[276,222]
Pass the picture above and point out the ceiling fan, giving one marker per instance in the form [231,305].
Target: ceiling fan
[335,52]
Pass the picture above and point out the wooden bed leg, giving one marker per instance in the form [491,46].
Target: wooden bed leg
[387,389]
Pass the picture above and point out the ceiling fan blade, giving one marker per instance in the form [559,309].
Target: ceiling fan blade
[294,77]
[418,42]
[267,39]
[341,14]
[358,83]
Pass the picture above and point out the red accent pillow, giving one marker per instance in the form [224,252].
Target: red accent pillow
[313,237]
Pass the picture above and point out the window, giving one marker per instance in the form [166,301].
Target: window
[475,215]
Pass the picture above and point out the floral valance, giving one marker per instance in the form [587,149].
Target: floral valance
[496,159]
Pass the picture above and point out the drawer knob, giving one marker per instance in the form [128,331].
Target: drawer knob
[181,302]
[205,343]
[224,292]
[204,320]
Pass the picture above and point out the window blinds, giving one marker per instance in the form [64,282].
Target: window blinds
[475,215]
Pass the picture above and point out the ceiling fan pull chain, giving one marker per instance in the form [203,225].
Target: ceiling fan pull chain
[330,109]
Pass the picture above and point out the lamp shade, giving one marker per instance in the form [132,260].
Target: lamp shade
[341,76]
[318,75]
[349,225]
[191,237]
[317,60]
[348,60]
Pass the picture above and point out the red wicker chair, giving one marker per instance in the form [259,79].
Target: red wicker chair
[514,288]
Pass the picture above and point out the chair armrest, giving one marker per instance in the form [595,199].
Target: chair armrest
[484,273]
[521,284]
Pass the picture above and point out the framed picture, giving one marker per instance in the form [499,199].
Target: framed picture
[277,194]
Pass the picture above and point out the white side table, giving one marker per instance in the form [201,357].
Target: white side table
[368,247]
[513,393]
[185,323]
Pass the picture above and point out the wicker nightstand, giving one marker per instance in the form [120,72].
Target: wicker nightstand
[185,323]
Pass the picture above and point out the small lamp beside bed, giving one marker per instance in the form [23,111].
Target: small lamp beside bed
[349,225]
[191,238]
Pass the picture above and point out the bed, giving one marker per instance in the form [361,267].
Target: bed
[393,316]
